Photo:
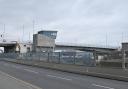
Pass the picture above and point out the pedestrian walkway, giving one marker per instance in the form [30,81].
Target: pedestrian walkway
[9,82]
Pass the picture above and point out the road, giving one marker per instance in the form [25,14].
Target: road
[52,79]
[9,82]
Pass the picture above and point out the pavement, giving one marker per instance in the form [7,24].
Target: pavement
[53,79]
[10,82]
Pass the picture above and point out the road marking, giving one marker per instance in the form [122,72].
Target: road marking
[5,64]
[31,71]
[17,67]
[102,86]
[59,77]
[26,83]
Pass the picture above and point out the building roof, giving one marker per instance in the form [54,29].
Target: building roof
[47,31]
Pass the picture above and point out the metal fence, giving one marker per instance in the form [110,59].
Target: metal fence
[113,59]
[76,58]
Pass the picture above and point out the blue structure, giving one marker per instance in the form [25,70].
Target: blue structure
[51,34]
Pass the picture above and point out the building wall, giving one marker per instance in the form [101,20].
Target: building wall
[24,47]
[125,46]
[41,40]
[44,49]
[42,43]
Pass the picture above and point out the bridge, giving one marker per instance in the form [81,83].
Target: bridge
[8,46]
[81,47]
[11,46]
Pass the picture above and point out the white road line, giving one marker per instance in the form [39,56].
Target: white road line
[26,83]
[31,71]
[17,67]
[59,77]
[6,64]
[102,86]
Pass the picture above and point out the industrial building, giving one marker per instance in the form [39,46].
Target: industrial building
[15,47]
[44,41]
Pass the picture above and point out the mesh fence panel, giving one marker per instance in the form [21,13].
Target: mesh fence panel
[77,58]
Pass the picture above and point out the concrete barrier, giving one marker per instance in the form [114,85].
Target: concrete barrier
[109,73]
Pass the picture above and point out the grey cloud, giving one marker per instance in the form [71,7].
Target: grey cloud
[87,21]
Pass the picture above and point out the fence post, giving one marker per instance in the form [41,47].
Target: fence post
[74,58]
[48,57]
[95,57]
[39,56]
[59,57]
[123,60]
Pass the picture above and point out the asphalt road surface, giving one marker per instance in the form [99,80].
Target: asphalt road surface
[52,79]
[9,82]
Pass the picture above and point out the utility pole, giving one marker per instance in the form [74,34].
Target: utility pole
[4,28]
[106,41]
[29,37]
[122,37]
[4,34]
[33,27]
[23,34]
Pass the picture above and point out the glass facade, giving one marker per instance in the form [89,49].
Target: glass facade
[51,34]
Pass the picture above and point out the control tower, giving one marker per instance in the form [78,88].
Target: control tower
[44,41]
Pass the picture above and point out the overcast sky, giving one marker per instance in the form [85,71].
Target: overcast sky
[94,22]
